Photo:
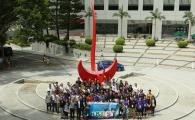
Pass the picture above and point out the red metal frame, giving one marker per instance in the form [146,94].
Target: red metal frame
[94,75]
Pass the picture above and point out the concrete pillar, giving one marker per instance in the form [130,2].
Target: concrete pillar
[123,4]
[176,7]
[106,3]
[157,26]
[87,26]
[193,11]
[140,5]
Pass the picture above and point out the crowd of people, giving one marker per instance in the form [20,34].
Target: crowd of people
[72,99]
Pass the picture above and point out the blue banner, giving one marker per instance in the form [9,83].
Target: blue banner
[103,110]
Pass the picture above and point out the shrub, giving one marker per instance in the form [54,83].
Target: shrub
[150,42]
[120,41]
[118,48]
[49,38]
[21,43]
[60,42]
[88,41]
[72,43]
[182,43]
[83,46]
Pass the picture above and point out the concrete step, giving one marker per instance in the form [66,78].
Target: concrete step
[25,95]
[191,116]
[10,102]
[184,105]
[6,116]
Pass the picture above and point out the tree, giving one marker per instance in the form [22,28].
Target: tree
[71,8]
[7,18]
[55,10]
[155,15]
[121,14]
[190,19]
[65,13]
[33,18]
[88,15]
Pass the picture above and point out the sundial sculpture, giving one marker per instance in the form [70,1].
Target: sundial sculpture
[93,75]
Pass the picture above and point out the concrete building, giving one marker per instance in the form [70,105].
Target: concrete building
[173,10]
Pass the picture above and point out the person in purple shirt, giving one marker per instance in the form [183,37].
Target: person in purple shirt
[145,102]
[126,102]
[139,107]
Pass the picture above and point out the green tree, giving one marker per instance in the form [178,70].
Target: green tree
[65,14]
[121,14]
[71,8]
[33,17]
[190,20]
[55,22]
[7,18]
[155,15]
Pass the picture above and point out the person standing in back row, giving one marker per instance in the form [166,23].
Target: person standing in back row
[72,108]
[48,101]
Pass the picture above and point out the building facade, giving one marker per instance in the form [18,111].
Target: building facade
[173,10]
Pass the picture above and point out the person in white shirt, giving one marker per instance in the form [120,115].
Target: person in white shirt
[57,97]
[61,88]
[50,89]
[136,88]
[48,101]
[54,102]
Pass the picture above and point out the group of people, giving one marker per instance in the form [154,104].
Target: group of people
[71,99]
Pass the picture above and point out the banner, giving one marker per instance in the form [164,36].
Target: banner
[103,110]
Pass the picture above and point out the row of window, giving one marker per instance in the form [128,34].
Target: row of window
[184,5]
[146,7]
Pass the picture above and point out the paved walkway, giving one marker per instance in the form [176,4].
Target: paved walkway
[165,69]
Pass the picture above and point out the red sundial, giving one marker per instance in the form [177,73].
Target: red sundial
[100,76]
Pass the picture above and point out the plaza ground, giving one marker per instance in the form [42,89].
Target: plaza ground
[166,69]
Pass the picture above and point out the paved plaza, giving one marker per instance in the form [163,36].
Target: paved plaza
[165,68]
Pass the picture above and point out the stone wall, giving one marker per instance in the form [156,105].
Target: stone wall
[55,49]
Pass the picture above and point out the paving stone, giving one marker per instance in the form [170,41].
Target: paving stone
[154,55]
[184,58]
[173,63]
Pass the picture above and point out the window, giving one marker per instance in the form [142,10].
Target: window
[184,5]
[168,5]
[132,4]
[148,4]
[99,5]
[113,5]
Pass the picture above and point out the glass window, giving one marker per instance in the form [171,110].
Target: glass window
[148,4]
[113,5]
[99,5]
[132,4]
[168,5]
[184,5]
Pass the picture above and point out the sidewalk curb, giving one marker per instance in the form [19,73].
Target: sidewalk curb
[5,109]
[30,106]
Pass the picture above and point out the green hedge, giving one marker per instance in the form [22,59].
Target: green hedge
[21,43]
[120,41]
[82,46]
[72,43]
[88,41]
[182,43]
[49,38]
[118,48]
[60,42]
[150,42]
